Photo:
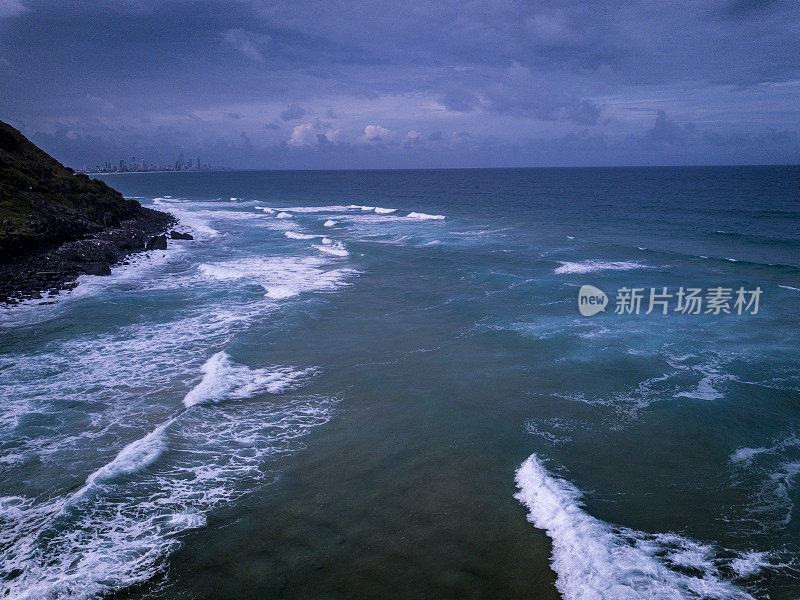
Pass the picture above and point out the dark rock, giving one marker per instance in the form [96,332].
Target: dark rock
[44,204]
[177,235]
[97,268]
[74,255]
[133,242]
[108,255]
[157,242]
[55,225]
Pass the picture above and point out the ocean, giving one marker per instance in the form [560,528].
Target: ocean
[380,384]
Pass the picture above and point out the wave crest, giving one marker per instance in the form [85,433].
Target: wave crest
[594,561]
[225,380]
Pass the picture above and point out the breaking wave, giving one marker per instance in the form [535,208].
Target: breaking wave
[594,560]
[118,529]
[224,380]
[281,277]
[424,217]
[594,266]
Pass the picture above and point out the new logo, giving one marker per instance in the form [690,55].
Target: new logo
[591,300]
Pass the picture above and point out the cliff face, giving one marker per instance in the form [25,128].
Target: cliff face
[44,204]
[56,225]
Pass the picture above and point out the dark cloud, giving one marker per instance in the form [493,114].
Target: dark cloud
[157,77]
[745,8]
[323,143]
[292,113]
[459,101]
[586,113]
[665,130]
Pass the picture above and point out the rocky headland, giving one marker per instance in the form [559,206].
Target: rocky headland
[56,225]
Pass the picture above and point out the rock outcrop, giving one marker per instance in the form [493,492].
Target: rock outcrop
[56,225]
[157,242]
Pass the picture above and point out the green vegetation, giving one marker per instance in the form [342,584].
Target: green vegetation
[43,203]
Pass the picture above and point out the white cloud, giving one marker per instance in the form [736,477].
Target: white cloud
[252,45]
[306,134]
[376,133]
[303,135]
[11,8]
[413,137]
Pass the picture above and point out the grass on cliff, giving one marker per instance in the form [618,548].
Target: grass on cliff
[41,198]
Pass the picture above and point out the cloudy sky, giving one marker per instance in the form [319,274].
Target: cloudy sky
[374,84]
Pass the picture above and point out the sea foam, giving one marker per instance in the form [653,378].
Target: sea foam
[594,265]
[199,225]
[775,469]
[133,457]
[281,277]
[595,561]
[333,248]
[315,209]
[124,534]
[338,208]
[225,380]
[114,516]
[294,235]
[424,217]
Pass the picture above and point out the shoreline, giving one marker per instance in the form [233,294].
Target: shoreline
[56,225]
[56,268]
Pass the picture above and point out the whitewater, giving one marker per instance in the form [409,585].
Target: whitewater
[378,384]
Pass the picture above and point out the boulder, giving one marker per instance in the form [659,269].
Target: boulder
[132,241]
[97,268]
[157,242]
[177,235]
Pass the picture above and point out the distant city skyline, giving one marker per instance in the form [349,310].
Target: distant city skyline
[357,84]
[143,166]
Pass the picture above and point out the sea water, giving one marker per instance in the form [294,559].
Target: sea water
[377,384]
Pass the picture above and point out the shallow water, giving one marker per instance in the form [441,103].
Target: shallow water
[378,384]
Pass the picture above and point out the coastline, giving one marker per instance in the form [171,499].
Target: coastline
[254,399]
[56,225]
[52,269]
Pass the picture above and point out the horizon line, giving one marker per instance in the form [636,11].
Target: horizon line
[256,170]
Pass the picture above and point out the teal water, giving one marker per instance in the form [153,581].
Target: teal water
[377,384]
